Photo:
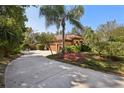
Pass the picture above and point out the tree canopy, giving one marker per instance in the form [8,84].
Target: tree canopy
[12,26]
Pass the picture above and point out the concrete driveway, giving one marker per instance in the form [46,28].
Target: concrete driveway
[39,52]
[35,71]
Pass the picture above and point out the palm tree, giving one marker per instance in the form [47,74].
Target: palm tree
[58,15]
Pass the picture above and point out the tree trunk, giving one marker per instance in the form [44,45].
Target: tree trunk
[63,35]
[50,48]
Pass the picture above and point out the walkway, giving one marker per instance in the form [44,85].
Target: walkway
[35,71]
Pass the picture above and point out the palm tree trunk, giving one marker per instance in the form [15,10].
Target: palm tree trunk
[63,35]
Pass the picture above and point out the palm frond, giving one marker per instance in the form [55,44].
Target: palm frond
[52,14]
[76,12]
[76,23]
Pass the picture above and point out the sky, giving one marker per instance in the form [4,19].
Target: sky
[94,15]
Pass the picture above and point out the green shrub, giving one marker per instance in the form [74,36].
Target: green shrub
[68,49]
[85,48]
[109,48]
[16,51]
[74,49]
[32,46]
[115,48]
[100,47]
[2,53]
[25,46]
[40,46]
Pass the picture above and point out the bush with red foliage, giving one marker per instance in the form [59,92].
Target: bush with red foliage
[73,56]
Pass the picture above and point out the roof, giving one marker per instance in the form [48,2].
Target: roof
[68,37]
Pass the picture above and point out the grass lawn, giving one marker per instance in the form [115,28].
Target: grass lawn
[3,63]
[102,63]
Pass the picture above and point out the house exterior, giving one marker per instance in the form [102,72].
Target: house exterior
[56,45]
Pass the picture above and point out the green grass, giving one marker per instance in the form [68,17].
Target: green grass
[106,64]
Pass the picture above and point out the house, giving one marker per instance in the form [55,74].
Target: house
[72,39]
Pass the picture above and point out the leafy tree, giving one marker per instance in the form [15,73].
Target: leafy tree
[110,39]
[45,38]
[118,34]
[12,26]
[88,35]
[58,15]
[104,30]
[29,36]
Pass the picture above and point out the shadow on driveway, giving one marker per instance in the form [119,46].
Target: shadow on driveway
[35,71]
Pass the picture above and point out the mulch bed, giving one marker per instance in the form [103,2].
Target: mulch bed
[112,64]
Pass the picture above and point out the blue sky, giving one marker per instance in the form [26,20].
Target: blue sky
[94,15]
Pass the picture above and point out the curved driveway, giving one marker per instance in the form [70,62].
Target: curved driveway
[35,71]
